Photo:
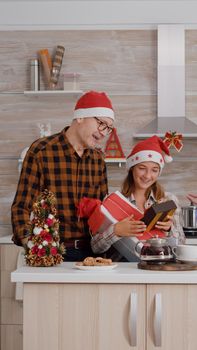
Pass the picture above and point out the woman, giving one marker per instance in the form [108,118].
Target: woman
[141,187]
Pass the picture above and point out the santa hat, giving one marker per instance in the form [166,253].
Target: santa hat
[94,104]
[152,149]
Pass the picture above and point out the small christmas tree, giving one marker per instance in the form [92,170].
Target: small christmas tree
[43,247]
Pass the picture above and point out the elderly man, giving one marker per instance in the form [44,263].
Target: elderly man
[69,165]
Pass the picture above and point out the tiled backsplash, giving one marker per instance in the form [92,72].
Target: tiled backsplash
[122,63]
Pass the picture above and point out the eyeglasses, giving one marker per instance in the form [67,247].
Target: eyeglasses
[102,126]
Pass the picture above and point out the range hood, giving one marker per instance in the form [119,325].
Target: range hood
[170,86]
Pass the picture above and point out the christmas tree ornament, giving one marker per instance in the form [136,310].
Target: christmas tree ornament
[173,139]
[113,149]
[43,247]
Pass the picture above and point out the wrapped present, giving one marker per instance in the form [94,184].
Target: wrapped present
[116,208]
[113,209]
[86,207]
[150,234]
[158,212]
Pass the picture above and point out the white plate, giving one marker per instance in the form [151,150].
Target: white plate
[194,261]
[96,268]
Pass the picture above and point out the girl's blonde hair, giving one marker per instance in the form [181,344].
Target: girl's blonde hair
[128,187]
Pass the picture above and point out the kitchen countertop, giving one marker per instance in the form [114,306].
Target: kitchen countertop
[8,240]
[123,273]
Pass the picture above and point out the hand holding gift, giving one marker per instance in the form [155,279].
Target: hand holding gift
[129,227]
[128,219]
[165,225]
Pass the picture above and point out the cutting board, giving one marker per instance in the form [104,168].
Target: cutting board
[168,266]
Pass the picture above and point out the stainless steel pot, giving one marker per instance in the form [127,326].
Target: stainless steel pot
[190,216]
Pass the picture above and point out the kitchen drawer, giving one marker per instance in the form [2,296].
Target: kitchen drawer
[11,311]
[9,255]
[7,287]
[11,337]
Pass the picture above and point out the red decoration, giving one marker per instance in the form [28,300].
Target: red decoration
[86,207]
[173,139]
[116,208]
[113,147]
[43,247]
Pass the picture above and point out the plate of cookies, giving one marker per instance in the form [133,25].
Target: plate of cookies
[95,264]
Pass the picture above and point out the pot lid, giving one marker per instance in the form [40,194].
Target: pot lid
[190,206]
[157,241]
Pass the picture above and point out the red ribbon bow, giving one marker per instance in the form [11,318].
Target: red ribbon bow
[173,139]
[86,206]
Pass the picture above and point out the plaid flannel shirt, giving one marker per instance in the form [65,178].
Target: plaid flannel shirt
[52,163]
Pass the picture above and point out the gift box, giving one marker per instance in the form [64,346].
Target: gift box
[116,208]
[158,212]
[150,234]
[113,209]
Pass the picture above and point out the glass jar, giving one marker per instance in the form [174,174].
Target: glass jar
[71,81]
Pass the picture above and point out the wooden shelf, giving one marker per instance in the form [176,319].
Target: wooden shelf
[52,92]
[115,160]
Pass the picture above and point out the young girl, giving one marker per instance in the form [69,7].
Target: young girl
[141,187]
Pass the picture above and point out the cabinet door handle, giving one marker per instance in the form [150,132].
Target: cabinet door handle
[133,319]
[157,319]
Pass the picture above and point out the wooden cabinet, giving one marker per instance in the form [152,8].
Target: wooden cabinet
[11,337]
[110,317]
[103,317]
[11,309]
[178,309]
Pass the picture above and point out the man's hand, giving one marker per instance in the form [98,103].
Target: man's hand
[24,241]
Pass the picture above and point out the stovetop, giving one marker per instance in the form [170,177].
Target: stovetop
[190,233]
[191,236]
[191,240]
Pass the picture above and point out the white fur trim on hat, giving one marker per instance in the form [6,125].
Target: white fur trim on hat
[145,156]
[94,112]
[168,159]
